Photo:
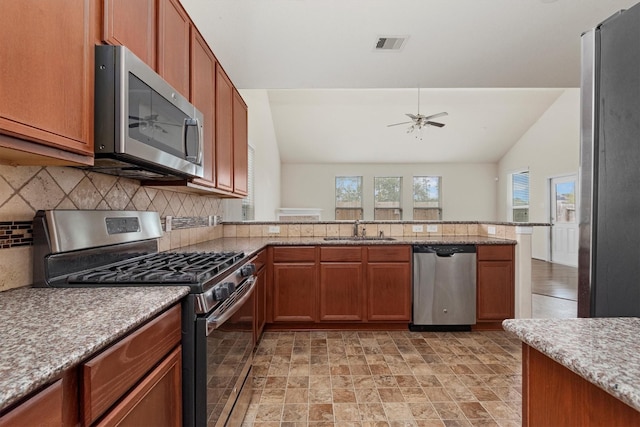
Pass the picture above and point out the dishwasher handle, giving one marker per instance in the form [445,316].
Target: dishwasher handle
[444,251]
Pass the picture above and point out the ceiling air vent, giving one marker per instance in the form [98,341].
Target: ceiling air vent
[390,43]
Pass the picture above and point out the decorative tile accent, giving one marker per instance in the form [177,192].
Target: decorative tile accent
[15,233]
[27,189]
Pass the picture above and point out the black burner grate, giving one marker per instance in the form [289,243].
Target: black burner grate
[167,268]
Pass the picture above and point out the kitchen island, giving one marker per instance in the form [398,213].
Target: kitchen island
[579,372]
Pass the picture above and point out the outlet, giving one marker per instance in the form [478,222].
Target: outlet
[432,228]
[274,229]
[417,229]
[491,230]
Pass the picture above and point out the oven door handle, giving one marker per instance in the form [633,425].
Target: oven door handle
[214,322]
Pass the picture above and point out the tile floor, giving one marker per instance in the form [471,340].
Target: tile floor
[347,378]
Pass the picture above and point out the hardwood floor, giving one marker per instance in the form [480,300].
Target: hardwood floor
[554,280]
[554,289]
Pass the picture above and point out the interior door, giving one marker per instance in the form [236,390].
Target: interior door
[564,230]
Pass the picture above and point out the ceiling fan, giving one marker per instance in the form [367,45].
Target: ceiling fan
[418,121]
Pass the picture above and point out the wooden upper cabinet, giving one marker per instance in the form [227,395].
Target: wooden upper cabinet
[46,74]
[132,24]
[203,91]
[240,146]
[224,131]
[173,45]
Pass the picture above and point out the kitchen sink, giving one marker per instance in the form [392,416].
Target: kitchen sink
[359,238]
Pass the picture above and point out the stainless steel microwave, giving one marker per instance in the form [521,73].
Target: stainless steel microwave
[144,128]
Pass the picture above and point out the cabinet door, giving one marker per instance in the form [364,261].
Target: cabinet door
[224,131]
[495,290]
[240,146]
[43,409]
[260,317]
[132,24]
[341,291]
[173,45]
[155,401]
[46,73]
[203,90]
[294,292]
[389,291]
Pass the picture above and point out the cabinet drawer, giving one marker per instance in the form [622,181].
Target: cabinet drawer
[156,401]
[495,252]
[389,253]
[294,254]
[109,375]
[43,409]
[341,253]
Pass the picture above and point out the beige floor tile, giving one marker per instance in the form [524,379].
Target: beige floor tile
[399,378]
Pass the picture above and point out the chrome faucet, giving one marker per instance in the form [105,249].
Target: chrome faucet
[355,228]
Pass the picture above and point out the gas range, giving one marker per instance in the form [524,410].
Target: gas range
[120,248]
[75,248]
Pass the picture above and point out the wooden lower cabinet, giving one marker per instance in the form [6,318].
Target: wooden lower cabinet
[333,284]
[495,283]
[136,381]
[43,409]
[552,395]
[389,291]
[155,401]
[341,291]
[260,317]
[294,292]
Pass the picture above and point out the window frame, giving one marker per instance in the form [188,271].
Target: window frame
[353,212]
[379,210]
[437,208]
[511,196]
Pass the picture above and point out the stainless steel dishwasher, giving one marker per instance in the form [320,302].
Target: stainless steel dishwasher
[444,287]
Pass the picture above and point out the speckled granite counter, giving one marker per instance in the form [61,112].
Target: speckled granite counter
[250,245]
[45,331]
[604,351]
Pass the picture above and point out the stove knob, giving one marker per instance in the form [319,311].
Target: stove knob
[231,287]
[247,270]
[221,293]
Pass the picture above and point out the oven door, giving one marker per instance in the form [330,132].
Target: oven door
[224,354]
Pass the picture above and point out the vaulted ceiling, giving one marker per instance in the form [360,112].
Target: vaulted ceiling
[494,65]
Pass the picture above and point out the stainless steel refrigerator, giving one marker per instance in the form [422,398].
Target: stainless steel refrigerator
[609,255]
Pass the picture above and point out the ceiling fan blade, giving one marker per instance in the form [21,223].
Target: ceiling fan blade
[396,124]
[134,125]
[435,124]
[433,116]
[412,116]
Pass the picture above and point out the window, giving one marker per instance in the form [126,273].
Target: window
[387,194]
[426,198]
[348,197]
[520,196]
[248,203]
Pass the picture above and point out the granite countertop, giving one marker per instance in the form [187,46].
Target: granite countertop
[45,331]
[604,351]
[251,245]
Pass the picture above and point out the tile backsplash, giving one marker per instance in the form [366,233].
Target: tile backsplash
[26,189]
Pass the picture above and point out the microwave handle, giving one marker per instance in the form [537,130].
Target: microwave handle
[194,122]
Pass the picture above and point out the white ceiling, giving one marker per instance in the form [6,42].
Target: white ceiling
[494,65]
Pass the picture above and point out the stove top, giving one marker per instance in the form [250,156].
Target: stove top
[189,268]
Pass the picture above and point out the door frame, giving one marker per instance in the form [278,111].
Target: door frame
[549,207]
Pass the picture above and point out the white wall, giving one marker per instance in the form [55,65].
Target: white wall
[468,190]
[262,138]
[551,147]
